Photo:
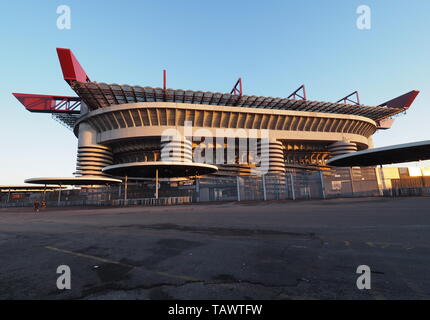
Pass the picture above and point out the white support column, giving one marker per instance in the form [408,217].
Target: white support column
[351,174]
[264,188]
[322,184]
[381,170]
[197,190]
[293,191]
[125,190]
[156,183]
[59,196]
[238,188]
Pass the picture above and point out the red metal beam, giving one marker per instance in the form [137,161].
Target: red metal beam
[347,98]
[72,69]
[237,89]
[403,102]
[296,94]
[49,104]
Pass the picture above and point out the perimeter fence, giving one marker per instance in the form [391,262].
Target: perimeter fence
[295,184]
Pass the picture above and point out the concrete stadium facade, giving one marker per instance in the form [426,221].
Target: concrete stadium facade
[117,133]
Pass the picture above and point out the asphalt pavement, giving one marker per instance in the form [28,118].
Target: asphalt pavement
[253,250]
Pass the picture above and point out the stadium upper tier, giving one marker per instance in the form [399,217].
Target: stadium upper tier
[100,95]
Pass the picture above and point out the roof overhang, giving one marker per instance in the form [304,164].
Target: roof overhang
[409,152]
[166,169]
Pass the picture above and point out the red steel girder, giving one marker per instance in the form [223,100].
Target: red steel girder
[237,89]
[403,102]
[49,104]
[296,94]
[72,69]
[347,98]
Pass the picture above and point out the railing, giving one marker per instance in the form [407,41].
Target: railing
[100,203]
[152,201]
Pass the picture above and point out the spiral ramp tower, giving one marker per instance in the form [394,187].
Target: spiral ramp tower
[177,149]
[342,147]
[271,156]
[92,159]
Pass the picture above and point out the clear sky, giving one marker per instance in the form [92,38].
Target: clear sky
[206,45]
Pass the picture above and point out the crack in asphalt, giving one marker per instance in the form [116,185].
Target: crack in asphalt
[115,287]
[221,231]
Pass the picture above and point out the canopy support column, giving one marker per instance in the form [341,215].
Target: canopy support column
[126,189]
[156,183]
[59,196]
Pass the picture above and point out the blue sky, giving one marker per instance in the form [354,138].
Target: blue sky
[206,45]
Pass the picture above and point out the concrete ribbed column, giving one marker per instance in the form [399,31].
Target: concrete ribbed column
[177,150]
[92,157]
[272,156]
[341,147]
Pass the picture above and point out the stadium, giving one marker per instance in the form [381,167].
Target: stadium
[134,133]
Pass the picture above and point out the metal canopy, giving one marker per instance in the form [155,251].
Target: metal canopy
[28,188]
[74,181]
[100,95]
[409,152]
[166,169]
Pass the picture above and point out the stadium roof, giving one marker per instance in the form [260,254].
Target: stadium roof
[100,95]
[409,152]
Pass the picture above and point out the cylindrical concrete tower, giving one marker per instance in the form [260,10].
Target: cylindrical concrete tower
[92,157]
[178,149]
[272,156]
[342,147]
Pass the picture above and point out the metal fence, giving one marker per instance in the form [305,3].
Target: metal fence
[295,184]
